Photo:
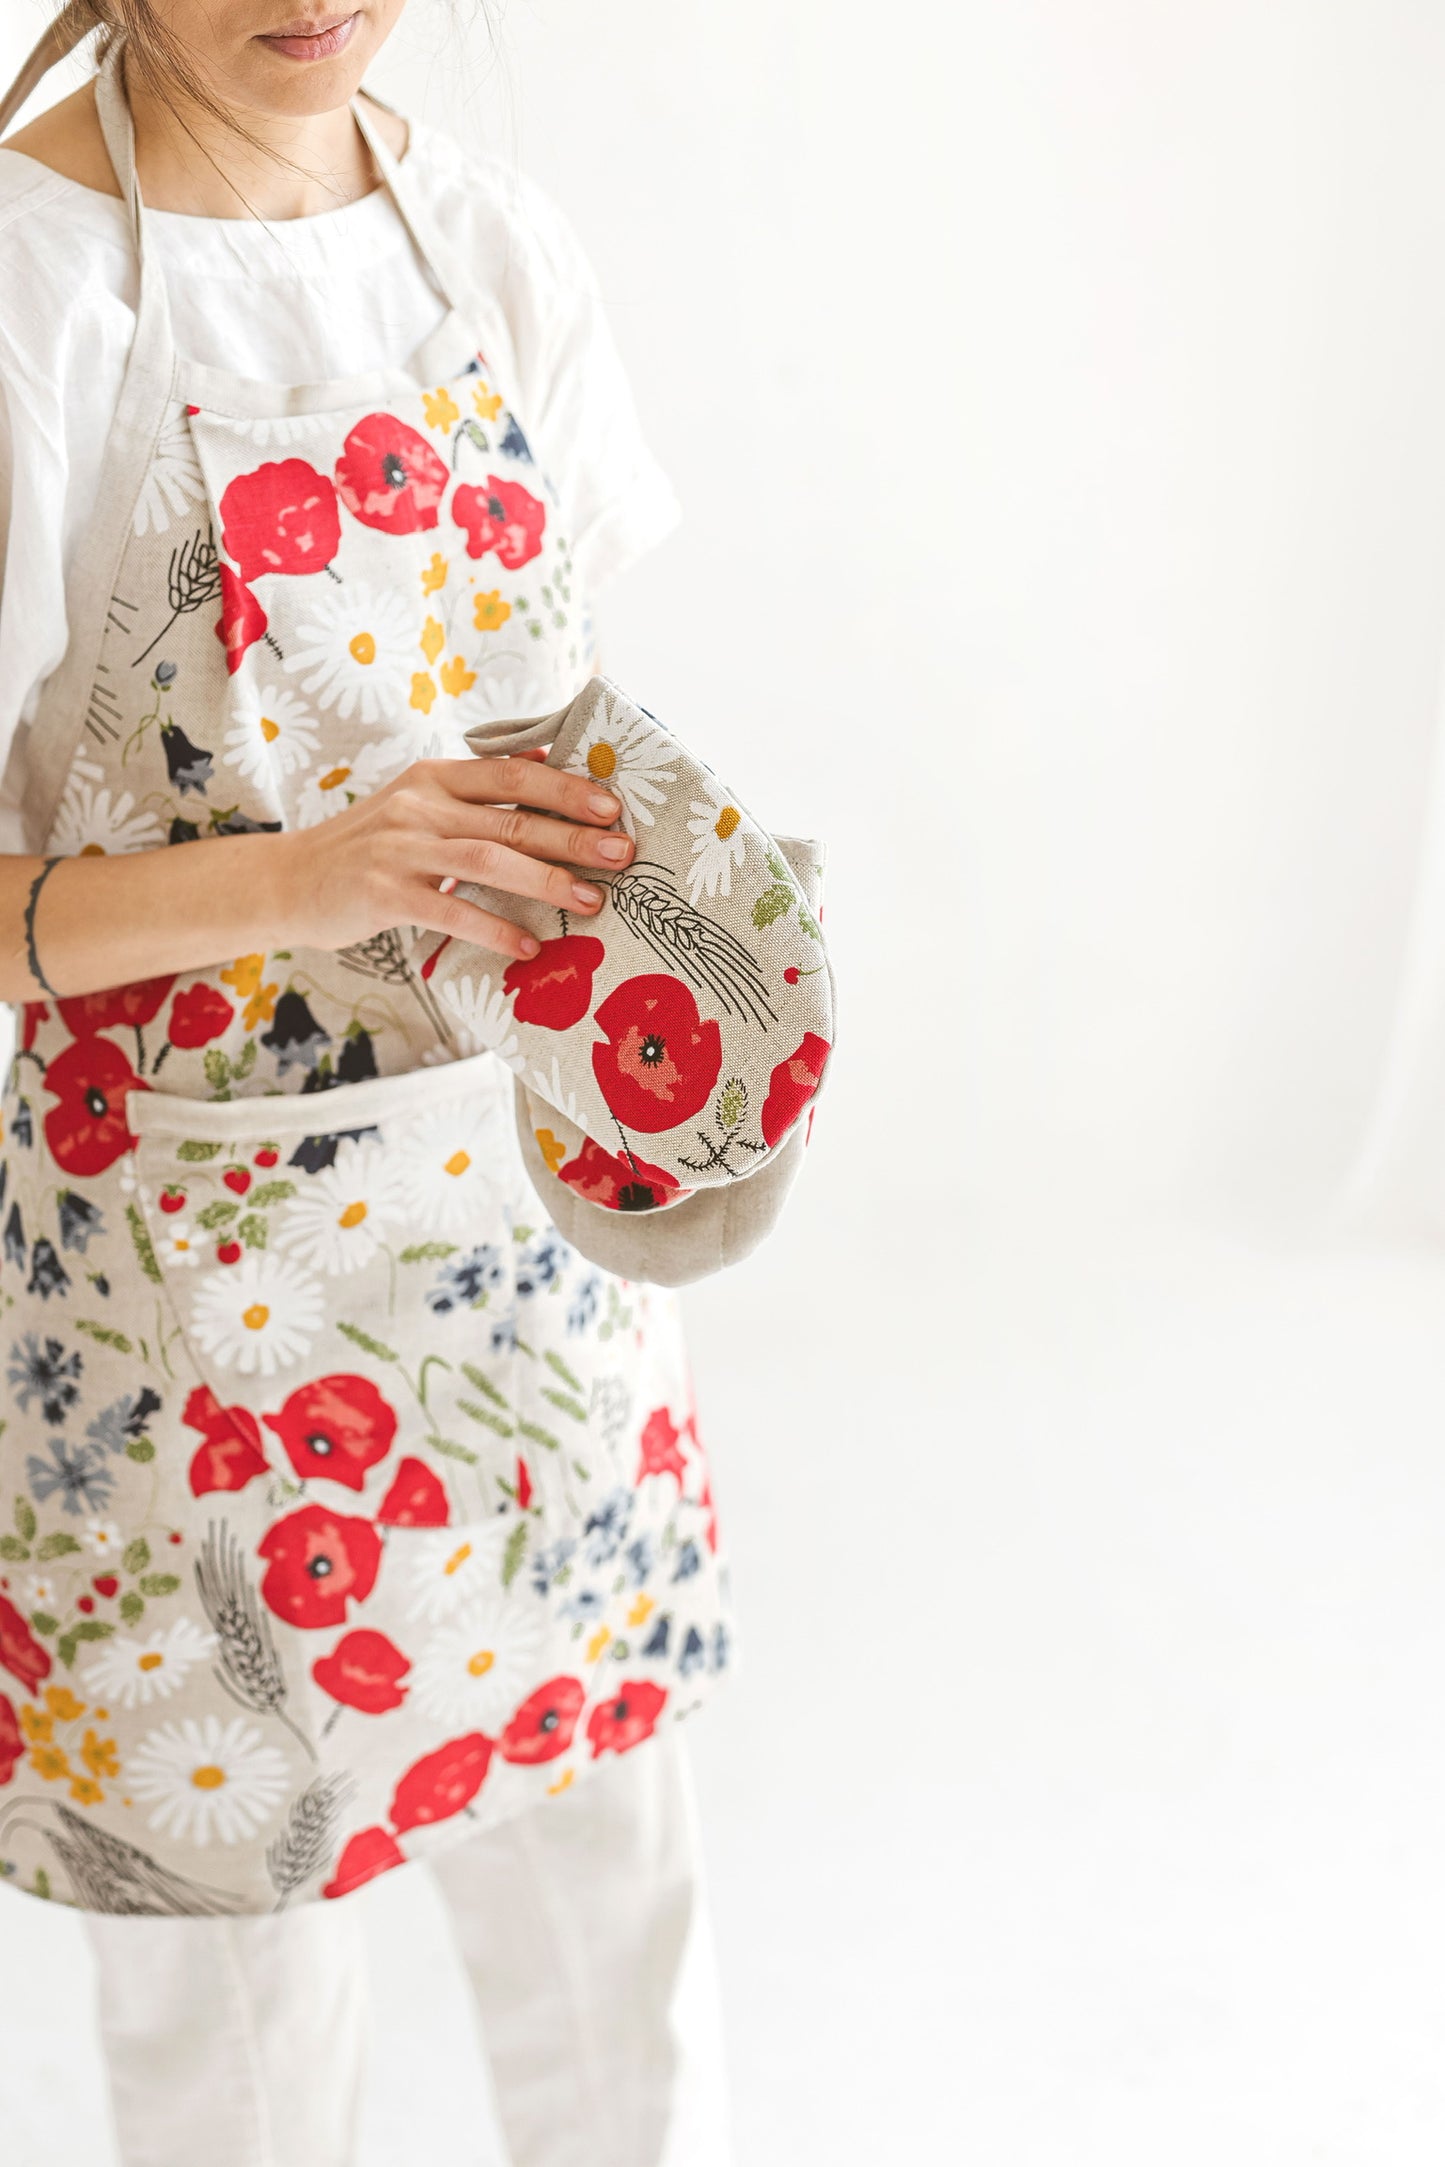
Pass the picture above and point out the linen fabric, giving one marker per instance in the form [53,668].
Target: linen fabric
[346,1509]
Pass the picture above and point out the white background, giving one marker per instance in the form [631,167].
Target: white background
[1054,390]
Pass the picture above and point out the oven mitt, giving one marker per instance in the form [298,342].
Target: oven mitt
[670,1046]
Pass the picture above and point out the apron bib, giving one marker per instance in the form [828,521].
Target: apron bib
[344,1508]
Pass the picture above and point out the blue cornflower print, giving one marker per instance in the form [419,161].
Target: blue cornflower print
[689,1561]
[548,1563]
[606,1528]
[542,1266]
[583,1306]
[465,1281]
[45,1373]
[115,1426]
[641,1555]
[47,1274]
[586,1603]
[694,1653]
[80,1220]
[74,1473]
[504,1333]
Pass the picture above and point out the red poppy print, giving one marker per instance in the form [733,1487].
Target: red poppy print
[388,477]
[335,1426]
[660,1058]
[503,517]
[624,1721]
[371,1851]
[136,1003]
[441,1783]
[660,1455]
[524,1484]
[319,1561]
[281,518]
[791,1085]
[86,1128]
[364,1670]
[231,1455]
[20,1652]
[554,987]
[242,620]
[417,1498]
[605,1177]
[543,1725]
[198,1014]
[12,1745]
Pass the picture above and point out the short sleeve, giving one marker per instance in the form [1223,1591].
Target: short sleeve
[580,410]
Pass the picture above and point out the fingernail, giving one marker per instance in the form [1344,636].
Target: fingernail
[614,846]
[584,894]
[600,802]
[529,946]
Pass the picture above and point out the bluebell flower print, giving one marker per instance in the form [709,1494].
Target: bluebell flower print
[20,1124]
[656,1642]
[44,1373]
[640,1558]
[689,1561]
[15,1237]
[74,1474]
[47,1274]
[583,1306]
[295,1037]
[466,1281]
[80,1220]
[514,445]
[722,1646]
[694,1653]
[606,1528]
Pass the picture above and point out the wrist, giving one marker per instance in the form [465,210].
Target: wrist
[273,871]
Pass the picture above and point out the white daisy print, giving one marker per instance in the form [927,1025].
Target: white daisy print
[452,1567]
[481,1017]
[134,1669]
[209,1780]
[341,1216]
[449,1163]
[271,734]
[472,1674]
[331,789]
[273,428]
[626,755]
[558,1093]
[41,1593]
[96,821]
[173,477]
[358,647]
[718,844]
[104,1538]
[259,1315]
[176,1244]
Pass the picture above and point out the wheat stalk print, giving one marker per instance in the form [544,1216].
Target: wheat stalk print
[384,956]
[194,580]
[250,1667]
[308,1840]
[110,1875]
[707,953]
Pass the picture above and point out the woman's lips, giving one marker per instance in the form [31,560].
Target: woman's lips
[308,42]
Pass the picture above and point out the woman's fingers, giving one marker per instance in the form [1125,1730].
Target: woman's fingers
[457,919]
[536,834]
[492,865]
[519,781]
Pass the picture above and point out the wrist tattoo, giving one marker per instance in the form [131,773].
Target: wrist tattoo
[31,954]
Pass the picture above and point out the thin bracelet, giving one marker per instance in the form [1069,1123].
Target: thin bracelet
[34,960]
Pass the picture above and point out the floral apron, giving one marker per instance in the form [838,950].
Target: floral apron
[344,1508]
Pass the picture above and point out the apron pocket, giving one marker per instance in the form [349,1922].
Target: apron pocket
[346,1271]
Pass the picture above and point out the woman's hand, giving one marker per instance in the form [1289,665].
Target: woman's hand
[383,862]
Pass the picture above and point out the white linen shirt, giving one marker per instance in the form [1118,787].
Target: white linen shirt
[293,302]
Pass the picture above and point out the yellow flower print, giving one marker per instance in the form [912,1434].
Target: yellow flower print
[100,1755]
[433,639]
[491,611]
[49,1762]
[245,975]
[553,1151]
[85,1792]
[641,1610]
[456,677]
[63,1704]
[423,691]
[562,1783]
[487,402]
[600,1642]
[440,409]
[38,1727]
[434,578]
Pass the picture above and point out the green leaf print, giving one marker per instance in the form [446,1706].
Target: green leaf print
[136,1555]
[158,1584]
[58,1545]
[483,1384]
[145,1254]
[86,1629]
[245,1060]
[25,1518]
[42,1622]
[41,1884]
[140,1449]
[453,1451]
[555,1362]
[808,922]
[253,1230]
[132,1607]
[485,1415]
[218,1072]
[194,1153]
[272,1192]
[514,1553]
[12,1549]
[428,1252]
[366,1343]
[771,904]
[539,1436]
[220,1213]
[106,1334]
[568,1405]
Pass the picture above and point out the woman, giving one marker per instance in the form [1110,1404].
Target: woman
[350,1516]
